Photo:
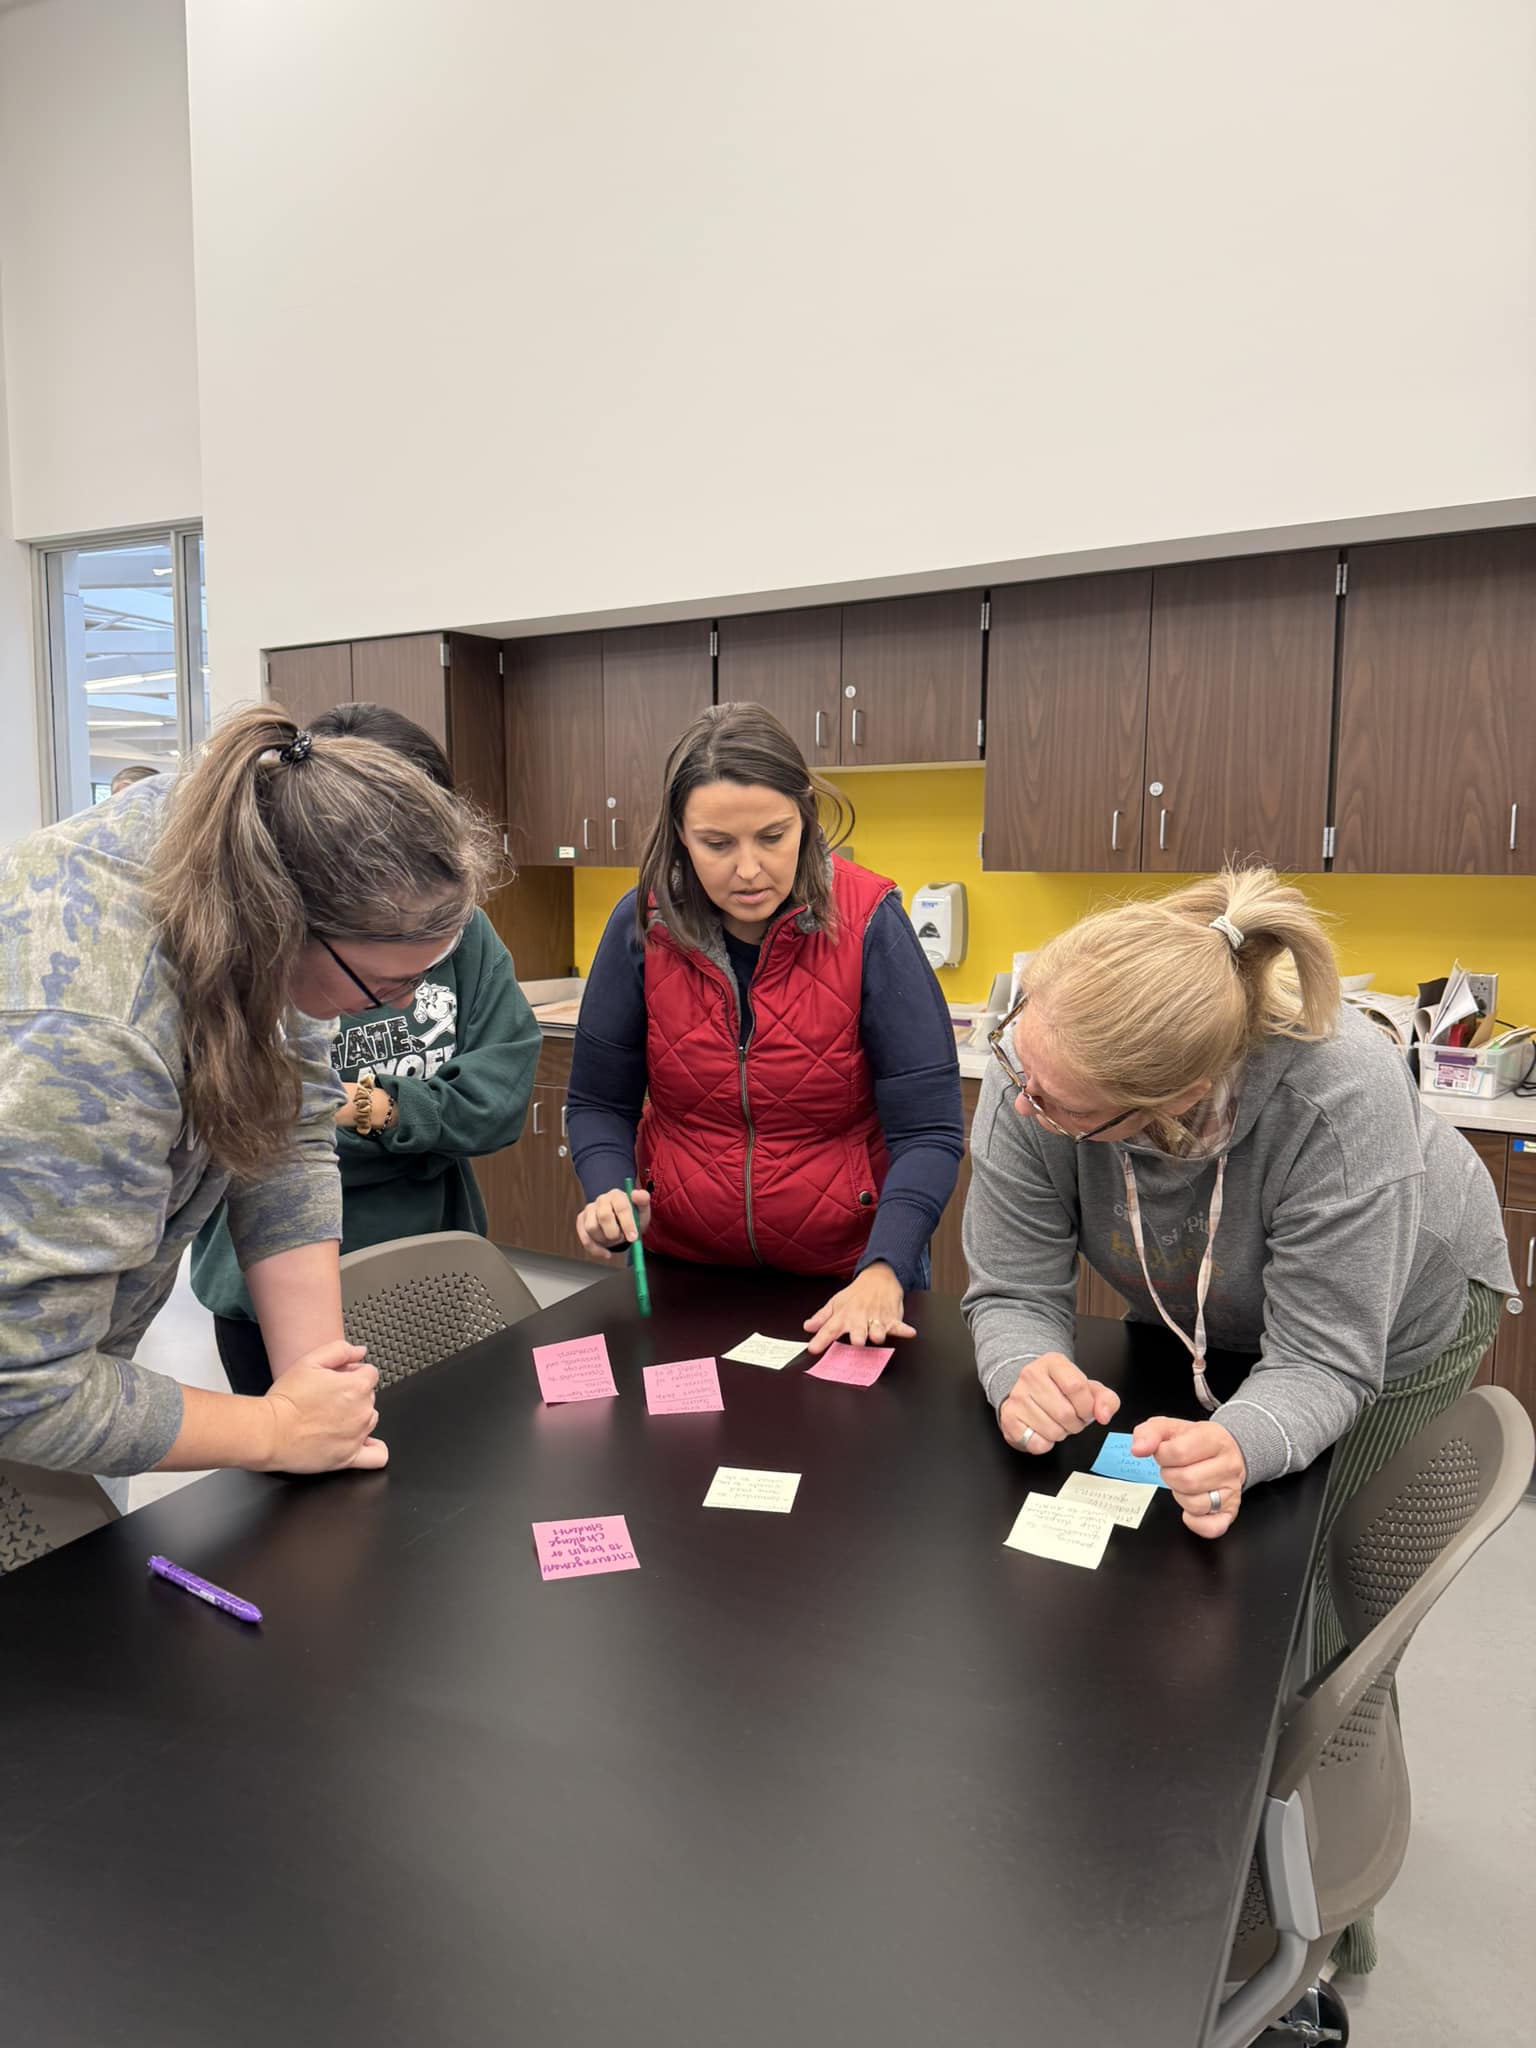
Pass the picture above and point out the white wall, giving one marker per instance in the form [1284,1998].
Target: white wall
[96,255]
[509,312]
[20,808]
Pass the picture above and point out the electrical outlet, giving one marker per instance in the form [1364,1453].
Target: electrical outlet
[1485,991]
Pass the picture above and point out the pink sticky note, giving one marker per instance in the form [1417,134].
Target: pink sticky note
[853,1365]
[575,1550]
[686,1388]
[576,1371]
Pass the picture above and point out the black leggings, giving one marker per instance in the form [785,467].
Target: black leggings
[242,1355]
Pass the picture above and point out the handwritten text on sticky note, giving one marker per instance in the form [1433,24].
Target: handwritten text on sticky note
[1115,1461]
[738,1486]
[849,1363]
[1123,1500]
[1061,1530]
[686,1388]
[774,1352]
[575,1550]
[575,1371]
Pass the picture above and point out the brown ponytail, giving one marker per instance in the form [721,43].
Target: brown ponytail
[268,844]
[1146,1000]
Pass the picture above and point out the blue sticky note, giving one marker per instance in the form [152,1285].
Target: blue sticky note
[1116,1462]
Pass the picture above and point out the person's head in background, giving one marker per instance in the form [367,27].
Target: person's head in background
[125,778]
[1130,1019]
[390,729]
[299,869]
[740,831]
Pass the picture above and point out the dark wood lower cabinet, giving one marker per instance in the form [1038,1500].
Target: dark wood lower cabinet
[1514,1354]
[530,1188]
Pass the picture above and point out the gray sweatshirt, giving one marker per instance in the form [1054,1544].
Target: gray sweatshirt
[102,1184]
[1353,1218]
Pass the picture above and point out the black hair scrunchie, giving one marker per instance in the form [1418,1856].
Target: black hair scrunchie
[297,748]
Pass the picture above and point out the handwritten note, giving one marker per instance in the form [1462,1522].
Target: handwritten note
[575,1550]
[853,1366]
[1115,1461]
[575,1371]
[738,1486]
[1122,1500]
[1060,1529]
[774,1352]
[685,1388]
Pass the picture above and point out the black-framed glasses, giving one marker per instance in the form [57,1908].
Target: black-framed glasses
[999,1040]
[399,990]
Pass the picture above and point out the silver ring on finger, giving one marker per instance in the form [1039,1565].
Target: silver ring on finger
[1215,1500]
[1024,1439]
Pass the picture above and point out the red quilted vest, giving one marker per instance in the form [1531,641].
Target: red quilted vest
[772,1155]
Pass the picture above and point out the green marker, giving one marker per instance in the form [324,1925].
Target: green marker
[637,1259]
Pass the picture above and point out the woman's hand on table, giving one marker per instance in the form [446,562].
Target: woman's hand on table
[611,1224]
[1053,1399]
[322,1413]
[1196,1459]
[869,1310]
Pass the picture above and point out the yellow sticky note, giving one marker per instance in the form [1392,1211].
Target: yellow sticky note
[739,1486]
[774,1352]
[1120,1499]
[1060,1529]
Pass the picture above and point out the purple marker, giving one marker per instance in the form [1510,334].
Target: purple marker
[200,1589]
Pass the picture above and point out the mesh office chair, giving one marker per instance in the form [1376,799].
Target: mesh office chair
[1334,1829]
[417,1300]
[40,1510]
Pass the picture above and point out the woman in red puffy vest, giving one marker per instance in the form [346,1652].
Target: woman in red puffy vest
[762,1046]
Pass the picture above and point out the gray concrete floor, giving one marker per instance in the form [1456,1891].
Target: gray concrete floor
[1458,1931]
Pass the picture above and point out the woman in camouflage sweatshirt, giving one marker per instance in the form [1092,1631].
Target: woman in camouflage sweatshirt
[165,959]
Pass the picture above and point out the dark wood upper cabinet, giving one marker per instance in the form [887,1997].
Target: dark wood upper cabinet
[656,681]
[1437,707]
[792,664]
[554,702]
[308,680]
[911,680]
[1067,723]
[1239,711]
[476,722]
[406,675]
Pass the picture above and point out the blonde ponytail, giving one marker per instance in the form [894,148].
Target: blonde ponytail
[1145,1001]
[274,837]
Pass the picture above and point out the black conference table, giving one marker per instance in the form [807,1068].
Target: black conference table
[855,1774]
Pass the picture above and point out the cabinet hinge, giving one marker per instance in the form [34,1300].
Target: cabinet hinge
[986,614]
[1341,580]
[714,640]
[1328,842]
[442,652]
[981,734]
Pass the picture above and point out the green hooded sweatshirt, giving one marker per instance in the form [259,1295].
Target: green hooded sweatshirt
[459,1059]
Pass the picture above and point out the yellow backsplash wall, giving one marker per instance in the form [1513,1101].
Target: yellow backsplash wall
[921,826]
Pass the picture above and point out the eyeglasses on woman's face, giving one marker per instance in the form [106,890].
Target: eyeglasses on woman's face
[389,994]
[1000,1039]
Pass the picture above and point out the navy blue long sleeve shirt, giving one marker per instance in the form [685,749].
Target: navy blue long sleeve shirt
[907,1038]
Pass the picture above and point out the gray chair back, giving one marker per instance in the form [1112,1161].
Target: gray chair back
[417,1300]
[40,1510]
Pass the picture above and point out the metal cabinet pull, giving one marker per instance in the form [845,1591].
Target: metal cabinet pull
[538,1128]
[1162,831]
[1530,1262]
[858,737]
[613,834]
[586,835]
[1114,831]
[563,1131]
[1514,825]
[821,720]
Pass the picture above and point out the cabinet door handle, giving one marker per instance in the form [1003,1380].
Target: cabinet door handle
[586,835]
[858,736]
[1514,825]
[1530,1262]
[821,720]
[563,1131]
[1114,831]
[613,834]
[538,1128]
[1162,831]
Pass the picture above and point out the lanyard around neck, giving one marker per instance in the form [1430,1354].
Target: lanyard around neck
[1196,1345]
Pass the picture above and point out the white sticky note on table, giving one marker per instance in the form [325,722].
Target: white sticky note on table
[739,1486]
[1060,1529]
[1122,1500]
[774,1352]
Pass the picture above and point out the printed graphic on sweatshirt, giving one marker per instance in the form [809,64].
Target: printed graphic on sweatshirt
[412,1043]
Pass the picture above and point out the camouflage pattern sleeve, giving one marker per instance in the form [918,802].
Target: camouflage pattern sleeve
[89,1119]
[299,1202]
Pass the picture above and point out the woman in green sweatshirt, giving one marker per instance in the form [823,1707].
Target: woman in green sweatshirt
[437,1072]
